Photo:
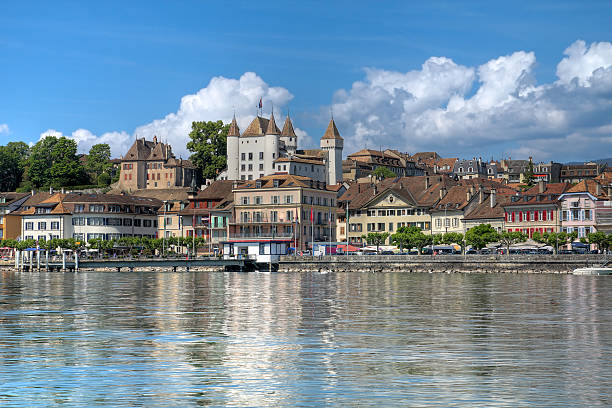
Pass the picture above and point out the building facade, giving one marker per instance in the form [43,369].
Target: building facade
[10,226]
[152,165]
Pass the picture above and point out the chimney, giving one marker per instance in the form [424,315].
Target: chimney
[50,190]
[480,194]
[597,189]
[493,197]
[426,183]
[63,190]
[541,186]
[32,192]
[468,195]
[375,189]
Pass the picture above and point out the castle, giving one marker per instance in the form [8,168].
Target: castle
[263,149]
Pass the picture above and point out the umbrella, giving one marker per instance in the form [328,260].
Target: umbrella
[350,248]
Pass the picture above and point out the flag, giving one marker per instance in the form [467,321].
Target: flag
[260,104]
[311,215]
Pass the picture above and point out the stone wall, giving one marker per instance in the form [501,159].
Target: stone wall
[442,264]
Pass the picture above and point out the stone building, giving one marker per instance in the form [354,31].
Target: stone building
[152,165]
[256,151]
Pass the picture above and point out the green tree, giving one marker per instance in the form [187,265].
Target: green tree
[529,177]
[508,238]
[452,238]
[598,238]
[411,237]
[376,238]
[383,172]
[53,162]
[13,158]
[481,235]
[208,145]
[98,161]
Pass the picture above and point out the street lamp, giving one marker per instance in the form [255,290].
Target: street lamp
[164,236]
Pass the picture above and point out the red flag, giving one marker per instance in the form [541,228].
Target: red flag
[260,105]
[311,216]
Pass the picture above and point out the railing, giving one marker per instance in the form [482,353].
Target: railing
[263,235]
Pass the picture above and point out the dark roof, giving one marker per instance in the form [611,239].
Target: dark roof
[272,129]
[256,128]
[485,211]
[217,190]
[288,128]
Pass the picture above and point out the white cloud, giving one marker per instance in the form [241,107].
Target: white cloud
[217,101]
[496,107]
[4,128]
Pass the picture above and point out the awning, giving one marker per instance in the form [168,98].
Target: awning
[350,248]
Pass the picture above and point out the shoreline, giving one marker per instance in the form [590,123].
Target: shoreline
[526,264]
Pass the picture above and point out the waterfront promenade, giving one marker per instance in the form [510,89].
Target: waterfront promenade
[337,263]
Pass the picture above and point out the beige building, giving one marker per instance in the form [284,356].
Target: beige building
[152,165]
[389,205]
[286,206]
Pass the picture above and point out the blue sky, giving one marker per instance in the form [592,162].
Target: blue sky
[462,78]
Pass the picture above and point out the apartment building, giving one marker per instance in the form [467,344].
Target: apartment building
[580,211]
[10,224]
[295,208]
[537,209]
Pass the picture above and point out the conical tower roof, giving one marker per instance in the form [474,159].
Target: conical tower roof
[234,130]
[272,128]
[332,131]
[288,128]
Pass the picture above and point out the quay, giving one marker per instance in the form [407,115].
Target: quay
[113,264]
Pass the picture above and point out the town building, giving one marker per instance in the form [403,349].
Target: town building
[537,209]
[447,215]
[575,173]
[469,169]
[580,211]
[86,216]
[514,170]
[549,172]
[173,200]
[208,213]
[294,208]
[152,165]
[489,210]
[388,205]
[255,152]
[10,225]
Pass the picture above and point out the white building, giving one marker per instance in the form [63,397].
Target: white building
[255,153]
[87,216]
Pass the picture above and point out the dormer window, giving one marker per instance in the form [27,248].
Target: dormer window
[276,183]
[258,184]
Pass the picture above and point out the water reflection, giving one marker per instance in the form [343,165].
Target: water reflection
[309,339]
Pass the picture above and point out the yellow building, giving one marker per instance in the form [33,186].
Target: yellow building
[10,224]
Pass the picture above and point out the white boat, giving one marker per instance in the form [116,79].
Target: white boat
[594,270]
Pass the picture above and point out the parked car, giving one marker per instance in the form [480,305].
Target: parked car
[471,252]
[565,252]
[386,252]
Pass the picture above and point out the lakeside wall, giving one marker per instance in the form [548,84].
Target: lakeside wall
[559,264]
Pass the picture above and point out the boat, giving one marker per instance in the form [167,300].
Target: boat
[593,270]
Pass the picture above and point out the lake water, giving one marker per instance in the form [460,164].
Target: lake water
[249,339]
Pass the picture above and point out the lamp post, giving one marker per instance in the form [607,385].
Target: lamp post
[164,236]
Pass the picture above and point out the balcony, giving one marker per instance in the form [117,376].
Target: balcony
[260,235]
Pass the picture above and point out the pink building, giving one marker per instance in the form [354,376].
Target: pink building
[582,206]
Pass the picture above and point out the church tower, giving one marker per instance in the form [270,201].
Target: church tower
[332,143]
[289,137]
[233,151]
[271,142]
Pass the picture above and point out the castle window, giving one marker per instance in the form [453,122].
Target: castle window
[250,156]
[243,156]
[260,155]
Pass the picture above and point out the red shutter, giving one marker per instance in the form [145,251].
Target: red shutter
[552,217]
[520,216]
[513,216]
[543,215]
[506,217]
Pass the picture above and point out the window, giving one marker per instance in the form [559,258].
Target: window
[276,183]
[54,225]
[42,225]
[260,166]
[114,208]
[243,156]
[390,226]
[250,167]
[455,222]
[438,222]
[381,226]
[258,200]
[127,222]
[260,155]
[275,199]
[96,208]
[95,221]
[78,221]
[79,208]
[243,167]
[245,200]
[29,226]
[288,199]
[250,156]
[115,222]
[274,216]
[137,222]
[146,223]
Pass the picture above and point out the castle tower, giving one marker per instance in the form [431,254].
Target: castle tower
[271,142]
[233,151]
[332,143]
[289,137]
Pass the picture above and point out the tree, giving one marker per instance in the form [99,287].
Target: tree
[53,162]
[598,238]
[376,238]
[411,237]
[508,238]
[383,172]
[13,158]
[452,238]
[208,145]
[98,161]
[529,175]
[481,235]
